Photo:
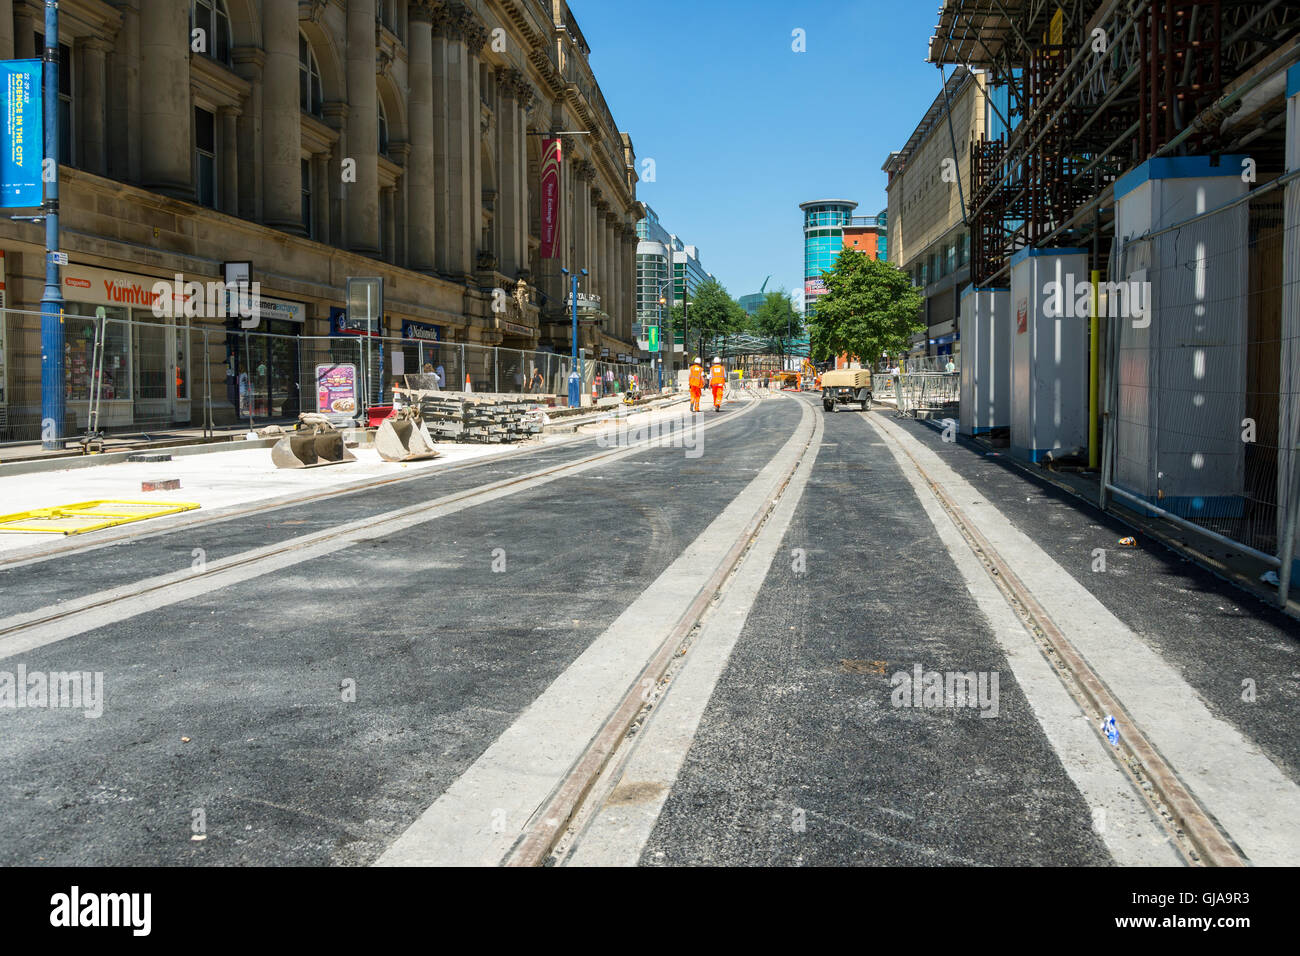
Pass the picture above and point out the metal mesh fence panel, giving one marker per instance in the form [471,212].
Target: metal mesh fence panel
[1197,337]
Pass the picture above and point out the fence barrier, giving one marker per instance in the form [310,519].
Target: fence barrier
[157,377]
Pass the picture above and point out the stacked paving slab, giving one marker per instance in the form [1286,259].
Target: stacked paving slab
[480,419]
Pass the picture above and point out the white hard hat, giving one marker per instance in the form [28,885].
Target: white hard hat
[697,360]
[716,360]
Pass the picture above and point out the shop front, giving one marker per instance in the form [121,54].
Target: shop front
[146,362]
[422,350]
[264,367]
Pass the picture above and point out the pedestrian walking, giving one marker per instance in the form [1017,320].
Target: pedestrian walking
[697,384]
[717,381]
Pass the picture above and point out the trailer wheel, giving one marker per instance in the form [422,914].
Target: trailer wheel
[829,406]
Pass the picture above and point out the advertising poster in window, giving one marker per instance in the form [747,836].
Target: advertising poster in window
[22,135]
[336,389]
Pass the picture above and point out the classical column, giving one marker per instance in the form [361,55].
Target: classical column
[581,189]
[363,130]
[165,124]
[421,194]
[608,284]
[228,192]
[616,279]
[460,37]
[124,100]
[597,245]
[6,29]
[475,37]
[441,215]
[281,124]
[524,98]
[508,204]
[620,270]
[249,63]
[91,84]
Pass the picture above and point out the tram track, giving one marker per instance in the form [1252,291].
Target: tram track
[25,631]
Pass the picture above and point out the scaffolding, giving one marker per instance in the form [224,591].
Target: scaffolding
[1094,88]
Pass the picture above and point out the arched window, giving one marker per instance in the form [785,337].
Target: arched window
[309,90]
[211,17]
[383,130]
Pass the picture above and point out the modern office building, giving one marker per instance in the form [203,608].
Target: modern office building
[751,302]
[823,238]
[665,267]
[928,235]
[177,159]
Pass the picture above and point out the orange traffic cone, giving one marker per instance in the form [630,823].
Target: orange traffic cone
[469,386]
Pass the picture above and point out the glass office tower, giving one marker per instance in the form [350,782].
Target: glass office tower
[823,238]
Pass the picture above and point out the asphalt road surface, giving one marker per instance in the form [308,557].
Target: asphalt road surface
[356,682]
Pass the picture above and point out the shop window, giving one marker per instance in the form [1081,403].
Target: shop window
[65,98]
[79,350]
[211,17]
[310,98]
[205,156]
[306,196]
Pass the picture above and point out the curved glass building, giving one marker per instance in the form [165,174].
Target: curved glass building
[823,237]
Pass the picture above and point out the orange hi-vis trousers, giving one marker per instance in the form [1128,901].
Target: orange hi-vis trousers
[695,398]
[717,396]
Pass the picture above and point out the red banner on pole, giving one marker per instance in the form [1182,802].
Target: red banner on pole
[550,198]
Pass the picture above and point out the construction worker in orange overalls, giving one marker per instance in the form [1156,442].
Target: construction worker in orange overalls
[697,384]
[717,381]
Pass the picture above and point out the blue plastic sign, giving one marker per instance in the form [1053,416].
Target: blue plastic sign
[22,135]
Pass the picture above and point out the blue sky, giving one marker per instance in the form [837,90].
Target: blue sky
[742,129]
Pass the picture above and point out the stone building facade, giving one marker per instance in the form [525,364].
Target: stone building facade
[929,186]
[322,139]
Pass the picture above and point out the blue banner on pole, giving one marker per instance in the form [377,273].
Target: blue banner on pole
[22,134]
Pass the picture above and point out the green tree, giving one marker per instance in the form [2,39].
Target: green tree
[713,313]
[869,307]
[777,319]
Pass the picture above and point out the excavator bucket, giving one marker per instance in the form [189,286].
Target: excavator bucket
[404,438]
[310,449]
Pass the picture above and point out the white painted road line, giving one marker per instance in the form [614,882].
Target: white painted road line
[1255,802]
[479,818]
[1121,815]
[619,830]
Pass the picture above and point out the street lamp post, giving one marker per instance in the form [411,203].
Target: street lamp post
[575,380]
[52,361]
[662,302]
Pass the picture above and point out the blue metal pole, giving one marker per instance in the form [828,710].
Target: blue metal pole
[575,381]
[53,384]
